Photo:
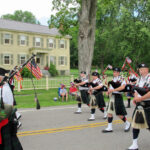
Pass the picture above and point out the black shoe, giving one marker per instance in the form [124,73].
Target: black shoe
[133,149]
[91,119]
[107,131]
[128,107]
[77,112]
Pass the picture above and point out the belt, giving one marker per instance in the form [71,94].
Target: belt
[116,94]
[145,104]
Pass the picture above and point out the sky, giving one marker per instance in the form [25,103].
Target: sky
[41,9]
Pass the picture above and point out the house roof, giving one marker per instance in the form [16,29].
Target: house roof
[28,27]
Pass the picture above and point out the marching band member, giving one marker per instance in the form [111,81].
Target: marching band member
[141,114]
[116,101]
[8,121]
[96,96]
[83,88]
[131,80]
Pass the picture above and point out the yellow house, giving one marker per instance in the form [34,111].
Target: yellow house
[19,40]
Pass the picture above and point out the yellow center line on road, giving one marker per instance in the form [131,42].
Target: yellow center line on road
[70,128]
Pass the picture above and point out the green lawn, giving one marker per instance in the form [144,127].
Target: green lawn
[25,99]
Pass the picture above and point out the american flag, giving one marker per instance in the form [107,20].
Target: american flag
[129,61]
[35,69]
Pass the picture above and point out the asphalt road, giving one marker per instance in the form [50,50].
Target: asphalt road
[58,128]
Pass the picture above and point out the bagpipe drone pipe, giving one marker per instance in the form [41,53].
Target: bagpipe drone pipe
[12,73]
[103,89]
[130,88]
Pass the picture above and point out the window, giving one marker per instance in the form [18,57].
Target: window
[23,40]
[6,59]
[62,60]
[50,43]
[7,38]
[38,60]
[22,59]
[62,43]
[53,60]
[38,42]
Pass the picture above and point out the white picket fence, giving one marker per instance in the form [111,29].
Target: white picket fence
[44,83]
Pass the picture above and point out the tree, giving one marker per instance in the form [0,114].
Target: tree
[84,12]
[86,37]
[19,15]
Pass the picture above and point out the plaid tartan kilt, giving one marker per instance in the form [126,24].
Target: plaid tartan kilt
[100,99]
[85,96]
[119,105]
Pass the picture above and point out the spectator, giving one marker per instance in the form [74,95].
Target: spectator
[73,90]
[63,93]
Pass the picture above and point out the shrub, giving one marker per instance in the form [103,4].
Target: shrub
[25,73]
[52,70]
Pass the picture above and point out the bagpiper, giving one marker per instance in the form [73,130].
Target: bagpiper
[116,104]
[131,80]
[96,96]
[8,121]
[141,114]
[83,91]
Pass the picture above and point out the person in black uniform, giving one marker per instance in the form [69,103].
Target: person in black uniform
[141,114]
[116,103]
[83,88]
[96,96]
[8,121]
[131,80]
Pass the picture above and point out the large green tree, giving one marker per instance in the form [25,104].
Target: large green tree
[23,16]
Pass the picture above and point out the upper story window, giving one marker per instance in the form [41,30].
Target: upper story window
[7,38]
[50,43]
[62,43]
[23,40]
[6,59]
[38,42]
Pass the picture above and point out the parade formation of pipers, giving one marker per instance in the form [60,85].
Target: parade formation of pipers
[136,86]
[91,93]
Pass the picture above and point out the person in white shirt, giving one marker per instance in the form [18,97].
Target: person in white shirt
[116,103]
[7,95]
[96,94]
[141,114]
[83,88]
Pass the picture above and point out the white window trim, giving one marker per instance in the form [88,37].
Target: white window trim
[9,59]
[53,60]
[63,43]
[9,39]
[49,42]
[35,41]
[25,40]
[21,56]
[60,61]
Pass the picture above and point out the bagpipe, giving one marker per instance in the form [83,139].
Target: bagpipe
[12,73]
[103,89]
[130,88]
